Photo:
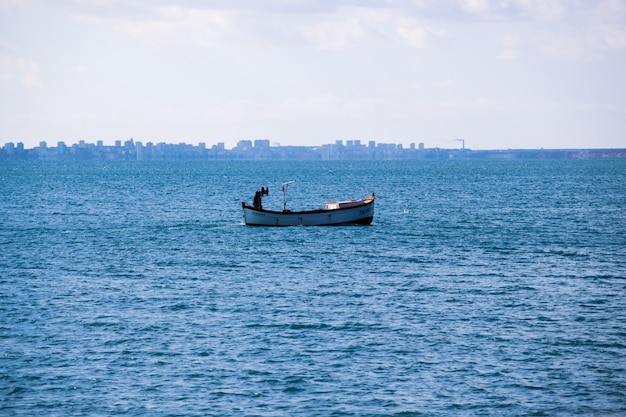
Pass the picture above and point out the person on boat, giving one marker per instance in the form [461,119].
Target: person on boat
[257,202]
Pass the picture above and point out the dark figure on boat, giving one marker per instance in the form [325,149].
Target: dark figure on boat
[257,203]
[258,197]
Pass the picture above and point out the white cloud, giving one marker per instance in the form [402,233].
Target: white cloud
[336,34]
[559,29]
[480,7]
[80,69]
[322,107]
[511,41]
[609,10]
[419,36]
[175,25]
[499,9]
[581,43]
[612,36]
[510,45]
[508,55]
[7,46]
[337,25]
[416,36]
[19,71]
[541,9]
[561,46]
[607,21]
[318,107]
[10,5]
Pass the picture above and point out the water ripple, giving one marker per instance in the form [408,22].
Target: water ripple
[481,289]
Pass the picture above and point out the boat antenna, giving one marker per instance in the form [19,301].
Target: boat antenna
[284,189]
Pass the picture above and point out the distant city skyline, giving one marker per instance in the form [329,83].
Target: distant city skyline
[514,74]
[262,149]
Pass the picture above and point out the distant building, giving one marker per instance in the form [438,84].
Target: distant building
[262,144]
[9,148]
[244,145]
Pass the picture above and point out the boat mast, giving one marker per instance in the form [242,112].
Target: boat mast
[285,185]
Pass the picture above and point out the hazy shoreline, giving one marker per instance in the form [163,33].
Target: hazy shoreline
[261,150]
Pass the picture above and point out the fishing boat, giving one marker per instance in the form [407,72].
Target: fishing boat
[333,214]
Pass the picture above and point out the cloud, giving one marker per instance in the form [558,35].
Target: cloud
[337,34]
[419,36]
[19,71]
[608,24]
[511,41]
[584,43]
[609,11]
[511,9]
[331,26]
[239,23]
[510,44]
[508,55]
[316,107]
[611,36]
[480,7]
[541,9]
[561,46]
[336,25]
[558,29]
[7,46]
[7,6]
[174,25]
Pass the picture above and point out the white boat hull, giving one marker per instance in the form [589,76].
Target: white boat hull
[358,212]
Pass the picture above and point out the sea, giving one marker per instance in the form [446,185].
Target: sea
[482,288]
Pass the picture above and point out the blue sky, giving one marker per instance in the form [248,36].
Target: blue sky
[498,73]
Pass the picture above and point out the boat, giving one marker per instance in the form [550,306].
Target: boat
[333,214]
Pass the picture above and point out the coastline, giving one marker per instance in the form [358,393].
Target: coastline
[261,150]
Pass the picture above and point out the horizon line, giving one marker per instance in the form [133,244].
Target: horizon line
[243,145]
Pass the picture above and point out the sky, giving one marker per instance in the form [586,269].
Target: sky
[499,74]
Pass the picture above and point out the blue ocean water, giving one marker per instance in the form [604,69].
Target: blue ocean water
[481,288]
